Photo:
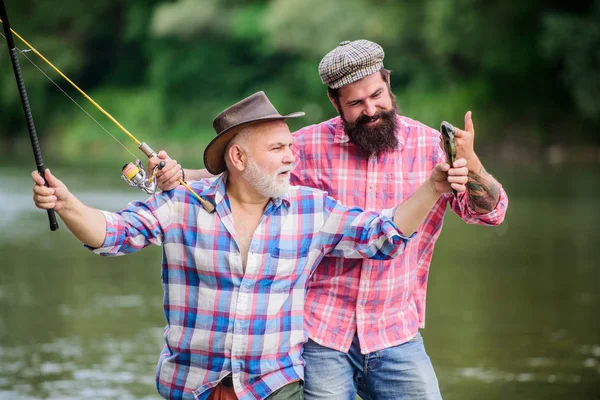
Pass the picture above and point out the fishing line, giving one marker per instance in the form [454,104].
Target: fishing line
[208,206]
[71,98]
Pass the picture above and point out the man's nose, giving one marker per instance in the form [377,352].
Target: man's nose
[370,109]
[289,157]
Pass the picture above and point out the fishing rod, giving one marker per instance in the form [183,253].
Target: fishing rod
[37,151]
[133,173]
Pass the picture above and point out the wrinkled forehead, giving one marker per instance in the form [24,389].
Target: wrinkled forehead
[268,133]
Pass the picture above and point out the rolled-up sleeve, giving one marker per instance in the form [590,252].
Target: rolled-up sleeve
[139,225]
[463,209]
[355,233]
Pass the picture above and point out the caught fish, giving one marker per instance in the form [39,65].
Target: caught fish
[448,144]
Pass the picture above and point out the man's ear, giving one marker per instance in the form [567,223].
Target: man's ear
[237,157]
[335,104]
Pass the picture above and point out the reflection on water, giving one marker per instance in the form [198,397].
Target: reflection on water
[512,311]
[61,370]
[16,196]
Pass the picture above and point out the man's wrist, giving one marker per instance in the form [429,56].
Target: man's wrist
[473,164]
[70,204]
[432,188]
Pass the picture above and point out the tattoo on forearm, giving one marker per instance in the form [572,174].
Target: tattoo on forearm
[484,191]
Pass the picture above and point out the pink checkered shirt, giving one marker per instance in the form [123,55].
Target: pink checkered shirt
[381,301]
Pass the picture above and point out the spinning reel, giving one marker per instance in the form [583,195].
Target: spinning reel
[136,176]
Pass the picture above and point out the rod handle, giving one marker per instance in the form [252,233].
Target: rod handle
[51,214]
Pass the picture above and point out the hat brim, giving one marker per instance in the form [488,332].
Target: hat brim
[214,154]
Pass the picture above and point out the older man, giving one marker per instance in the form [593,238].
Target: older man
[235,278]
[363,316]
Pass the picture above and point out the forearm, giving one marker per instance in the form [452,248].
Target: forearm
[196,174]
[483,191]
[86,223]
[412,212]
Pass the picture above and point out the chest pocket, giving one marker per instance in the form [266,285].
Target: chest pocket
[285,267]
[412,178]
[399,186]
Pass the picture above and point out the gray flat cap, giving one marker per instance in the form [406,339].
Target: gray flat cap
[349,62]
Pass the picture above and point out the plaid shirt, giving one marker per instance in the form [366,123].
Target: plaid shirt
[223,320]
[383,302]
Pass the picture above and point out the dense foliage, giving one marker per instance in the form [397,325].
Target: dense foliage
[529,71]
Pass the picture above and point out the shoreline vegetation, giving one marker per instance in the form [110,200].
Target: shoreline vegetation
[167,68]
[189,153]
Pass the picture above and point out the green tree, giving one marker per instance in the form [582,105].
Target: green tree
[574,41]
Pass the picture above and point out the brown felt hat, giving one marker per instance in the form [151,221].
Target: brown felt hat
[255,108]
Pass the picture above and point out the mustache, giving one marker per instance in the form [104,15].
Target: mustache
[373,139]
[282,170]
[365,119]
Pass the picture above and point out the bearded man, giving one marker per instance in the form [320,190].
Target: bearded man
[363,316]
[235,275]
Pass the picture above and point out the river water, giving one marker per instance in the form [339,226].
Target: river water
[512,311]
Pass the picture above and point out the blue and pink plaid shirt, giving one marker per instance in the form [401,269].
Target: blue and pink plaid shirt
[383,302]
[222,319]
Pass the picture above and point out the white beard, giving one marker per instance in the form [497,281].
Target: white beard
[266,184]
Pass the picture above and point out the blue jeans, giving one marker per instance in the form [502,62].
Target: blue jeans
[399,372]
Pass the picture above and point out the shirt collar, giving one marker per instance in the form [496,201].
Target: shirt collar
[216,193]
[337,124]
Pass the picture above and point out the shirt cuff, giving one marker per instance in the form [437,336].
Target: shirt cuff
[391,231]
[494,217]
[111,237]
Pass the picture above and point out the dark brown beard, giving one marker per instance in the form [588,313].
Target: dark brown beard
[377,139]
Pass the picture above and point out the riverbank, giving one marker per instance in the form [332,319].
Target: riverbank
[108,152]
